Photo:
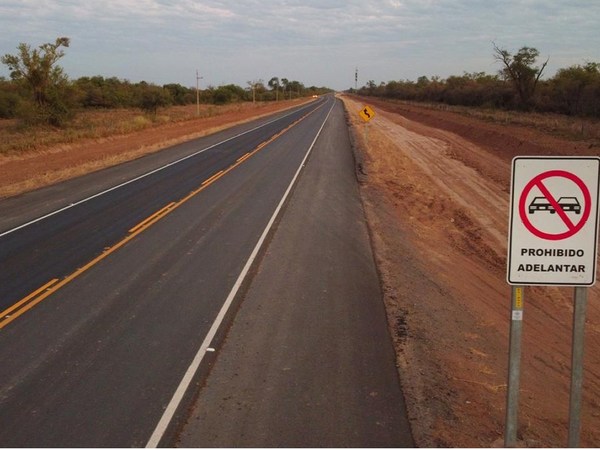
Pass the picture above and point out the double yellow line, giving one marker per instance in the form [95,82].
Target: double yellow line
[28,302]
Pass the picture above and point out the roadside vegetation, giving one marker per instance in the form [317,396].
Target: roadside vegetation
[573,91]
[41,106]
[105,123]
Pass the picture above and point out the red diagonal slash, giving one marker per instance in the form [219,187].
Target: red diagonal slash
[546,193]
[572,228]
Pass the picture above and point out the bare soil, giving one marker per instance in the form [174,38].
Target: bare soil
[436,191]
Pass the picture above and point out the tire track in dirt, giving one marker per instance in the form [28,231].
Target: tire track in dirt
[437,204]
[485,200]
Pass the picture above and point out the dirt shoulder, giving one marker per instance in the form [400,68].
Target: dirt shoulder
[47,165]
[436,190]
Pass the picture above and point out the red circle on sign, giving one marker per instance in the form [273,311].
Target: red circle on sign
[573,228]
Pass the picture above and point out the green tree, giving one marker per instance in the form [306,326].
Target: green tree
[295,87]
[576,89]
[520,70]
[37,70]
[222,95]
[256,88]
[151,97]
[275,84]
[180,94]
[371,86]
[229,93]
[9,99]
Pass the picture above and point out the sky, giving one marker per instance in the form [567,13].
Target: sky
[316,42]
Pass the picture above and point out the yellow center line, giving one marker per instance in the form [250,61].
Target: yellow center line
[214,177]
[54,285]
[6,314]
[153,216]
[246,156]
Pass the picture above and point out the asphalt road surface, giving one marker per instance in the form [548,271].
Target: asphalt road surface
[116,289]
[308,361]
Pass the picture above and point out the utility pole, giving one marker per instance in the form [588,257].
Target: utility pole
[356,79]
[198,78]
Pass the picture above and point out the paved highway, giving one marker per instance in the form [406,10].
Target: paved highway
[115,288]
[308,360]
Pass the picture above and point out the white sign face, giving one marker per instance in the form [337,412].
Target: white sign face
[553,225]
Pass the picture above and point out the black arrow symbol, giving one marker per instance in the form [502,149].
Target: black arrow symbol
[366,111]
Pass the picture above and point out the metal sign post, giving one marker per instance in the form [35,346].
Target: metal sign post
[514,366]
[577,366]
[552,241]
[366,114]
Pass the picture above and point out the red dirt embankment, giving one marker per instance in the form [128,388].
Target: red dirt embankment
[436,190]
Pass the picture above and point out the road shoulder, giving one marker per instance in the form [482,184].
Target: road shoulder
[308,360]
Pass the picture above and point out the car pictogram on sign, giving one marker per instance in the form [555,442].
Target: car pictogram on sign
[565,203]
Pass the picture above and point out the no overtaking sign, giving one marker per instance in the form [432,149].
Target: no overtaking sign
[553,228]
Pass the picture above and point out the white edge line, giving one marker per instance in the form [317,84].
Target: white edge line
[72,205]
[169,412]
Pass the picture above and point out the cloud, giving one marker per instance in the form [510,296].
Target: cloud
[165,40]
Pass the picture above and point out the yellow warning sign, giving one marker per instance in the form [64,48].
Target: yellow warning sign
[366,113]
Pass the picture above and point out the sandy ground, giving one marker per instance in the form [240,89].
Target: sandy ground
[436,190]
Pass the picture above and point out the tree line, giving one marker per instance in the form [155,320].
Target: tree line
[39,91]
[518,85]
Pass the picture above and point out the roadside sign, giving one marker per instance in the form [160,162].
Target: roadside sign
[552,240]
[366,113]
[553,226]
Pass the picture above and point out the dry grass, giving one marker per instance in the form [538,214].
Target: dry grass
[16,140]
